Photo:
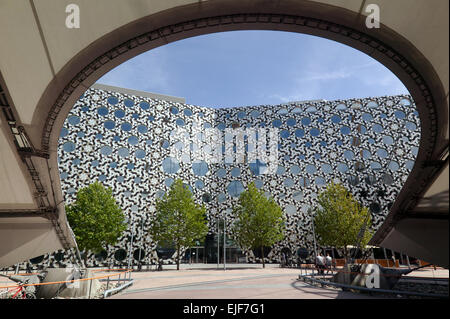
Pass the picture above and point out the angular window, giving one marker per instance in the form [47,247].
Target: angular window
[341,167]
[73,120]
[276,123]
[320,181]
[326,168]
[142,129]
[174,110]
[133,140]
[382,153]
[291,122]
[411,126]
[306,121]
[399,114]
[170,165]
[297,195]
[372,105]
[349,155]
[123,152]
[353,180]
[255,113]
[295,169]
[377,128]
[367,117]
[341,107]
[258,167]
[235,172]
[144,105]
[311,109]
[345,130]
[284,134]
[288,182]
[405,102]
[335,119]
[69,147]
[388,140]
[106,150]
[199,184]
[139,153]
[235,188]
[113,100]
[299,133]
[128,103]
[311,169]
[370,179]
[314,132]
[200,168]
[126,127]
[102,111]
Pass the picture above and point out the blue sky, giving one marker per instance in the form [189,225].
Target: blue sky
[255,67]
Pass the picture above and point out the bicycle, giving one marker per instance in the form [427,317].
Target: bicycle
[22,291]
[19,292]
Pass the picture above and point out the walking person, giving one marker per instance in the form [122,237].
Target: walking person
[283,259]
[320,263]
[328,262]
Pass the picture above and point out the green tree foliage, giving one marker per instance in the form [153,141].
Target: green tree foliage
[259,221]
[339,219]
[95,218]
[178,219]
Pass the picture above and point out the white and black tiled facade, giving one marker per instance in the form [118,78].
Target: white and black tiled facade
[125,141]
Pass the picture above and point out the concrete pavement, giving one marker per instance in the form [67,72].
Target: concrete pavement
[237,282]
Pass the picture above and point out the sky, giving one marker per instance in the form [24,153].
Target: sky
[243,68]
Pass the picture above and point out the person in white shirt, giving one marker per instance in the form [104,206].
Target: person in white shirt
[320,263]
[328,262]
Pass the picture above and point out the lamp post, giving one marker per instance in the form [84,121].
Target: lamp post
[142,243]
[131,243]
[313,231]
[218,243]
[224,244]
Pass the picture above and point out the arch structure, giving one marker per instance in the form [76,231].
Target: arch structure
[138,145]
[46,65]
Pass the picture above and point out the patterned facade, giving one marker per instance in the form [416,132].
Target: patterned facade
[126,141]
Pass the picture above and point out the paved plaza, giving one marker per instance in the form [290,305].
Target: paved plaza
[202,281]
[238,281]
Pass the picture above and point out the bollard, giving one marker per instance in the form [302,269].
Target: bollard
[90,286]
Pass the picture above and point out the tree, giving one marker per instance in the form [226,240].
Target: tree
[340,220]
[178,219]
[259,220]
[95,218]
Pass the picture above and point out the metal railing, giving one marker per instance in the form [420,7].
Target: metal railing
[126,282]
[317,278]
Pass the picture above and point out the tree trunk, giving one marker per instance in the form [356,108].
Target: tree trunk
[345,255]
[178,257]
[262,256]
[85,259]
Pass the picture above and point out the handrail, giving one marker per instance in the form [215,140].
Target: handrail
[67,281]
[371,290]
[110,291]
